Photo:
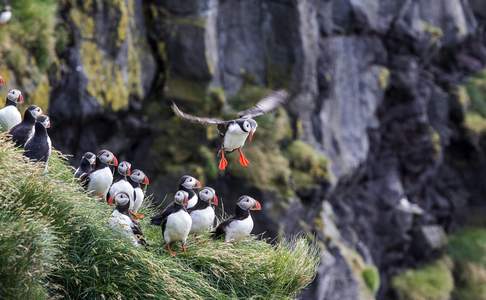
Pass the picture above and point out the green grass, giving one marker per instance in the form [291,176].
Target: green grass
[371,277]
[72,254]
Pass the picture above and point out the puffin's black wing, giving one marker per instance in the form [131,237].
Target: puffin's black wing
[221,229]
[195,119]
[158,219]
[267,104]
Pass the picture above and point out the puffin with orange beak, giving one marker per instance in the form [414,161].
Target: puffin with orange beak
[235,132]
[202,214]
[10,114]
[100,178]
[241,225]
[121,183]
[176,222]
[137,180]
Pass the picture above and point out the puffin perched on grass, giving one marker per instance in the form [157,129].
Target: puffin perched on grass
[121,221]
[241,225]
[85,166]
[176,222]
[24,130]
[100,179]
[137,179]
[39,147]
[202,214]
[124,170]
[235,132]
[10,115]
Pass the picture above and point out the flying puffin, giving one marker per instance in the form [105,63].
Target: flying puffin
[5,15]
[24,130]
[176,222]
[121,184]
[38,147]
[10,115]
[241,225]
[137,179]
[121,221]
[235,132]
[101,178]
[202,214]
[85,166]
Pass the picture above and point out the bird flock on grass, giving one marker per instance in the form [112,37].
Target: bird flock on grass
[102,176]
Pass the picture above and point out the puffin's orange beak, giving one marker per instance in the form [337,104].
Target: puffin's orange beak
[2,82]
[185,202]
[198,184]
[146,181]
[129,172]
[115,161]
[21,99]
[250,136]
[257,206]
[215,200]
[110,201]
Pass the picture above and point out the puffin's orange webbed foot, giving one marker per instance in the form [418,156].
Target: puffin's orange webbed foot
[223,162]
[243,160]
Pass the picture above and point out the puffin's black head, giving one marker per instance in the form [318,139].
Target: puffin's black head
[122,201]
[139,177]
[105,156]
[189,182]
[208,195]
[44,120]
[33,111]
[248,203]
[181,198]
[125,168]
[89,157]
[15,96]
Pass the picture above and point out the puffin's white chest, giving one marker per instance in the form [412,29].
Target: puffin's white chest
[234,137]
[138,192]
[122,186]
[9,117]
[5,16]
[123,224]
[238,229]
[177,227]
[193,201]
[100,181]
[202,219]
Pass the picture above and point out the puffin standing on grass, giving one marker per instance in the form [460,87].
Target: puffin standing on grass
[176,222]
[202,214]
[235,132]
[24,130]
[121,185]
[101,178]
[39,147]
[121,221]
[241,225]
[85,166]
[137,179]
[10,115]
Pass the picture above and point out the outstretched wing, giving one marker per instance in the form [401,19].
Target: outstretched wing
[267,104]
[195,119]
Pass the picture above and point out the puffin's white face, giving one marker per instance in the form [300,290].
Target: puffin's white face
[44,120]
[15,96]
[246,126]
[181,198]
[122,199]
[35,111]
[90,157]
[139,177]
[248,203]
[190,182]
[124,168]
[108,158]
[208,194]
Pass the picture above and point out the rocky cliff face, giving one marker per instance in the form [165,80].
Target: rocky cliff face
[375,114]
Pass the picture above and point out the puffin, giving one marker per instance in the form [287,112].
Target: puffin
[202,214]
[121,184]
[10,115]
[100,178]
[5,15]
[176,222]
[121,221]
[241,225]
[39,147]
[234,133]
[188,183]
[85,166]
[137,179]
[24,130]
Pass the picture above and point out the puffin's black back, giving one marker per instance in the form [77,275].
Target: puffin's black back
[240,214]
[37,148]
[21,132]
